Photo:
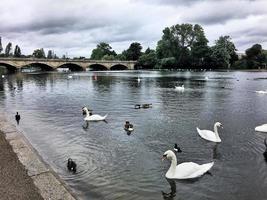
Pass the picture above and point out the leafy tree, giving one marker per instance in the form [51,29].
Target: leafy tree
[167,63]
[134,51]
[108,57]
[121,56]
[17,51]
[39,53]
[1,47]
[223,52]
[166,47]
[148,60]
[183,42]
[256,53]
[185,35]
[101,50]
[255,57]
[8,49]
[200,52]
[50,54]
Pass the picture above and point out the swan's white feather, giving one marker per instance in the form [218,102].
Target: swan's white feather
[186,170]
[208,135]
[262,128]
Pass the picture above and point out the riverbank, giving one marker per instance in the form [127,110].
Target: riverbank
[23,174]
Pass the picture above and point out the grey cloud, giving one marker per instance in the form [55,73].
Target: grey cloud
[77,27]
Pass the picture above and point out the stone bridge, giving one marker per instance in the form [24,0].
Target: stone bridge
[14,64]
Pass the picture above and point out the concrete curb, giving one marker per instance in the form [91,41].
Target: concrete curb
[45,179]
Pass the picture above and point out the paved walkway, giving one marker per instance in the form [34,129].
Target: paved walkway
[14,181]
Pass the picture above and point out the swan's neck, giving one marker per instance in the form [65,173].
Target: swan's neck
[172,168]
[87,112]
[216,131]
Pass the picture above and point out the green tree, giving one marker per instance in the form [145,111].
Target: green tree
[108,57]
[17,51]
[101,50]
[179,40]
[186,36]
[200,52]
[148,60]
[50,54]
[223,52]
[120,56]
[8,49]
[166,47]
[255,58]
[1,47]
[134,51]
[39,53]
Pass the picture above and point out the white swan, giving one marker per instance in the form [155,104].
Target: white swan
[93,117]
[261,91]
[210,135]
[186,170]
[179,88]
[262,128]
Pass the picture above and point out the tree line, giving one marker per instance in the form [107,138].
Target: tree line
[181,46]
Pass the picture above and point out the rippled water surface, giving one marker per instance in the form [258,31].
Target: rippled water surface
[114,165]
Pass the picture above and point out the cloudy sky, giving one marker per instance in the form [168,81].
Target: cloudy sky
[75,27]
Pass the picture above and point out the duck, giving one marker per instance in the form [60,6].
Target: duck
[71,165]
[177,149]
[186,170]
[179,88]
[128,127]
[147,105]
[93,117]
[265,152]
[210,135]
[261,128]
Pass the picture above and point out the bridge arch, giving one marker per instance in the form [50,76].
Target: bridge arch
[72,67]
[38,66]
[9,67]
[97,67]
[118,67]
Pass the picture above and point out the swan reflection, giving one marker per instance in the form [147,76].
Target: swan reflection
[172,193]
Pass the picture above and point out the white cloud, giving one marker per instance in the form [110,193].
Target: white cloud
[77,26]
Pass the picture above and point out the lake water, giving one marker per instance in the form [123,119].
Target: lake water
[114,165]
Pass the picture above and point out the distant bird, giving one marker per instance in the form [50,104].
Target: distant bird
[179,88]
[93,117]
[128,127]
[138,80]
[3,76]
[69,76]
[261,91]
[265,152]
[177,149]
[210,135]
[71,165]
